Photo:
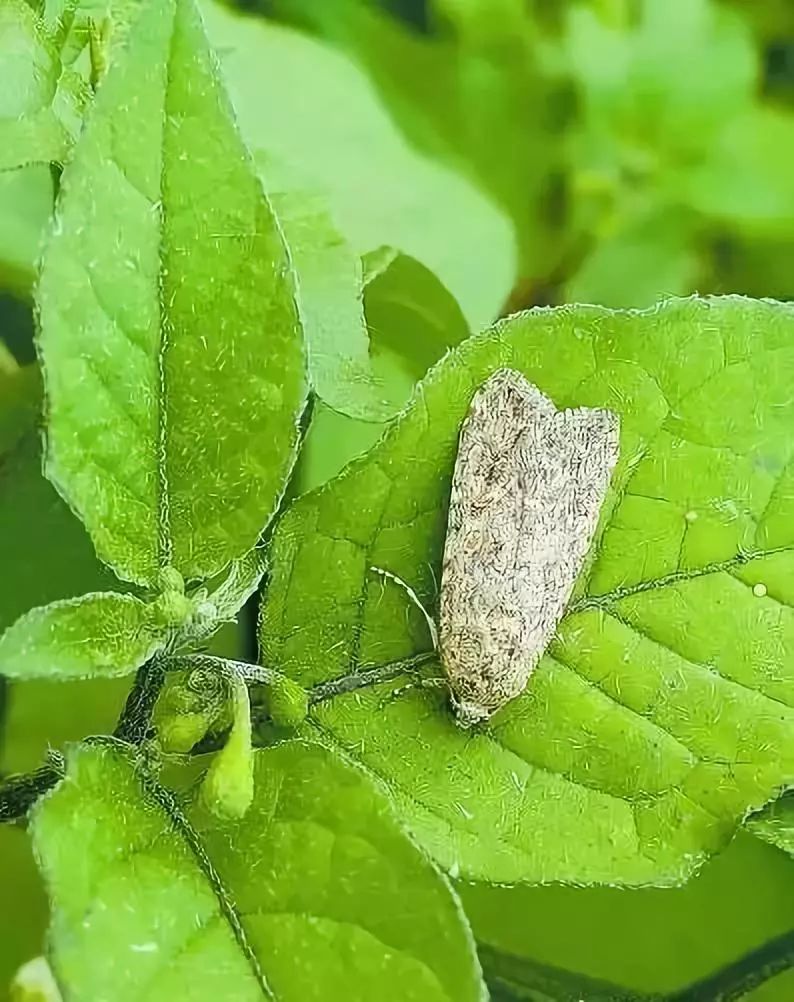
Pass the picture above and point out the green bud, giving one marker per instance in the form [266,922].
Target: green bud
[228,787]
[181,732]
[287,702]
[172,608]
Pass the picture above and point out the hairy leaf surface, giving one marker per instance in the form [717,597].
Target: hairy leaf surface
[315,893]
[97,635]
[664,709]
[169,332]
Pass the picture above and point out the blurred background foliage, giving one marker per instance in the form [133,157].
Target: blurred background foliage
[480,156]
[640,148]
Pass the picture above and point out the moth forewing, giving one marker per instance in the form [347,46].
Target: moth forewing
[527,488]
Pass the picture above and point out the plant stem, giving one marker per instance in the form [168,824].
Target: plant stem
[19,793]
[224,667]
[136,718]
[743,975]
[367,677]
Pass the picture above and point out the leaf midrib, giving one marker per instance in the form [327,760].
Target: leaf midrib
[227,906]
[164,534]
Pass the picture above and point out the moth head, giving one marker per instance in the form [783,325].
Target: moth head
[469,713]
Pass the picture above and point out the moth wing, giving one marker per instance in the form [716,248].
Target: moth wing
[527,489]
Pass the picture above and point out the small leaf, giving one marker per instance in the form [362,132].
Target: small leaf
[413,321]
[97,635]
[287,702]
[316,889]
[191,703]
[330,298]
[169,333]
[664,709]
[240,583]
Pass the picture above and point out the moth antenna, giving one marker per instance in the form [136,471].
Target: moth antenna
[415,599]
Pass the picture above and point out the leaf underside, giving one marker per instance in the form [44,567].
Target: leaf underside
[663,711]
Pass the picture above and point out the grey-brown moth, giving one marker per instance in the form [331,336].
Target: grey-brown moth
[527,489]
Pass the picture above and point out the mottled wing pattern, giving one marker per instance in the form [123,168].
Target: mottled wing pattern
[528,485]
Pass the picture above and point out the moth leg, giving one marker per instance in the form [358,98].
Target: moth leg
[414,598]
[417,683]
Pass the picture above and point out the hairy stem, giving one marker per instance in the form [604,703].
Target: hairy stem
[743,975]
[135,721]
[324,691]
[19,793]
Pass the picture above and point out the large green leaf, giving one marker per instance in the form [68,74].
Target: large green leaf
[169,332]
[663,710]
[329,128]
[316,893]
[100,634]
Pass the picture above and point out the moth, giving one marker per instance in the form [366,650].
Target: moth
[527,489]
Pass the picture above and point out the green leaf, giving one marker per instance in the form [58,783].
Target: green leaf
[316,886]
[239,585]
[413,321]
[169,332]
[330,129]
[663,711]
[102,634]
[775,823]
[330,298]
